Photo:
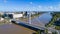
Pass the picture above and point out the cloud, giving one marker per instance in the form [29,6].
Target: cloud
[5,1]
[45,8]
[51,7]
[31,2]
[40,6]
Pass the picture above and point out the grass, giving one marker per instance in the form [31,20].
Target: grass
[54,33]
[46,31]
[57,27]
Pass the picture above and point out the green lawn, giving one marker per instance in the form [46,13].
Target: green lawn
[57,27]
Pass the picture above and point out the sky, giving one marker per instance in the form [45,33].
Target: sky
[29,5]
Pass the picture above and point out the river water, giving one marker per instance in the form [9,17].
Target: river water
[42,19]
[14,29]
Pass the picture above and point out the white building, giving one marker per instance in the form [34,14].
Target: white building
[13,15]
[17,15]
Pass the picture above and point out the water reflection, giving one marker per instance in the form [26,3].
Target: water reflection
[42,19]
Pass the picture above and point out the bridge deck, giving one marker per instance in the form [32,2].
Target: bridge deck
[30,26]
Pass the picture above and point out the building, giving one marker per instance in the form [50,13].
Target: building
[12,15]
[17,15]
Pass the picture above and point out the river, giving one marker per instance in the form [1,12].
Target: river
[42,19]
[14,29]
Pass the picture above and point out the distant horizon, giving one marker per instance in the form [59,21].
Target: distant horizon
[30,11]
